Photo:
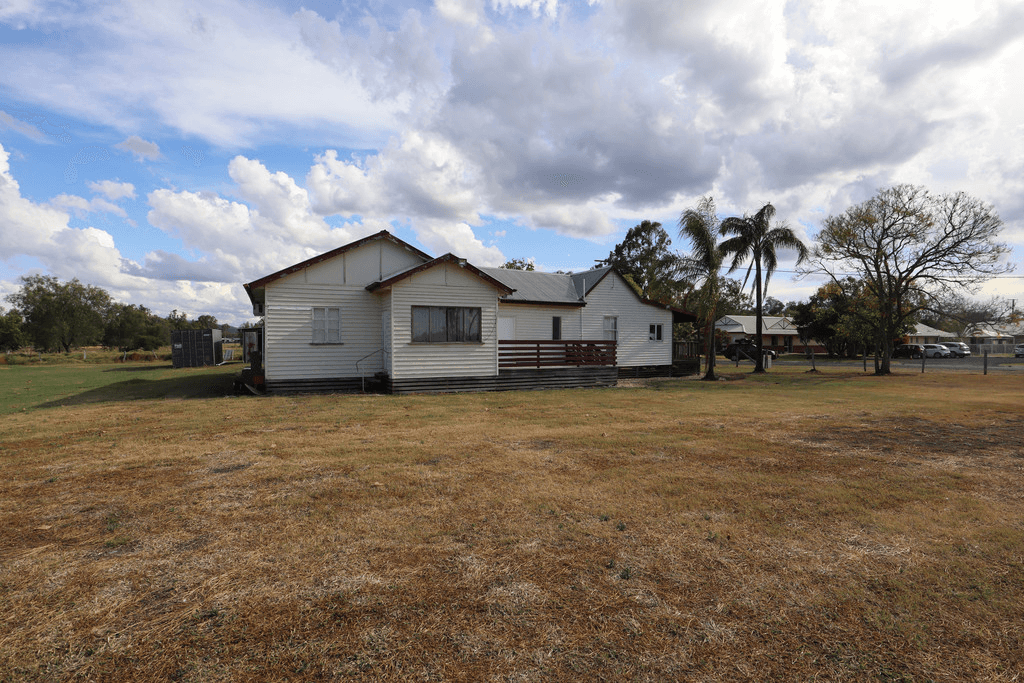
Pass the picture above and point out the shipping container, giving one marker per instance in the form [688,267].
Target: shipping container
[196,348]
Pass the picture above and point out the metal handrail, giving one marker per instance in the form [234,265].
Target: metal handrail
[362,378]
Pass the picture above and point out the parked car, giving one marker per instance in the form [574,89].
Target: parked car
[936,351]
[1018,351]
[908,351]
[745,349]
[958,349]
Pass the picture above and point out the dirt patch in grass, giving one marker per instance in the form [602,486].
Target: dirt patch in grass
[770,529]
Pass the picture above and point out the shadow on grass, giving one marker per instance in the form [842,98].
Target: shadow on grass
[187,386]
[140,368]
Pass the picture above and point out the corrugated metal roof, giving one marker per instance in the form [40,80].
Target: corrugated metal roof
[921,330]
[588,279]
[748,324]
[535,287]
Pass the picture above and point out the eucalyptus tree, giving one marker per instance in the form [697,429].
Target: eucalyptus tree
[755,239]
[701,227]
[646,257]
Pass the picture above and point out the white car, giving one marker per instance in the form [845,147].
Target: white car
[936,351]
[958,349]
[1018,351]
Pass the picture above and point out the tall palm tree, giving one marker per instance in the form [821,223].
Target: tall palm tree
[701,227]
[754,238]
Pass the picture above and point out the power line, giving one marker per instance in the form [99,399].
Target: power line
[854,274]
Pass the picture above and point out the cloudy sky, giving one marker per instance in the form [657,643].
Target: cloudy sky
[170,151]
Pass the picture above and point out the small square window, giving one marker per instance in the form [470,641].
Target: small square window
[655,333]
[326,325]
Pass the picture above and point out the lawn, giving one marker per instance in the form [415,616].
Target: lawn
[782,527]
[28,387]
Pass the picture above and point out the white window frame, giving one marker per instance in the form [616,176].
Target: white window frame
[611,328]
[655,332]
[325,322]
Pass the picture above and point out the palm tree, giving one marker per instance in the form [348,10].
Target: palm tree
[753,238]
[701,227]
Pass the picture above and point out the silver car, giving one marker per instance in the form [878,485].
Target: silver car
[936,351]
[958,349]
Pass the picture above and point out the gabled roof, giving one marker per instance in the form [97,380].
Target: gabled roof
[447,258]
[557,289]
[533,287]
[251,287]
[516,286]
[747,324]
[588,279]
[996,331]
[925,331]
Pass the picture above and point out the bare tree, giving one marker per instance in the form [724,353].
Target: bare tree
[910,247]
[959,314]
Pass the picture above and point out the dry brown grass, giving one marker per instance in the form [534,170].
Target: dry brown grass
[785,528]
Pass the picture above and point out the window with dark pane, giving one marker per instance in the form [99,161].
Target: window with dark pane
[443,324]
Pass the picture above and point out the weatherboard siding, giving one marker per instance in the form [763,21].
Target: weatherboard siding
[362,265]
[534,322]
[338,282]
[290,353]
[613,296]
[443,285]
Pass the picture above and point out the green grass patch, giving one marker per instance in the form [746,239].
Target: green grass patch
[32,387]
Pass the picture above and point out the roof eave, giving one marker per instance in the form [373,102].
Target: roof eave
[446,258]
[568,304]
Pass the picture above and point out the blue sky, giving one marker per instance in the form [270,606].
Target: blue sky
[170,151]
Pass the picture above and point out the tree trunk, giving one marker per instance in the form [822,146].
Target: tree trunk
[759,321]
[709,376]
[885,347]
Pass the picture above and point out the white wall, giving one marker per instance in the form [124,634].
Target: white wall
[534,322]
[614,297]
[340,281]
[290,353]
[443,285]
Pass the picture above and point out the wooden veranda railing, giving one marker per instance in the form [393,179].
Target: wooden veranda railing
[685,349]
[544,353]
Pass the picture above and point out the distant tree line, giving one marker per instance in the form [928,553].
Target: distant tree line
[51,315]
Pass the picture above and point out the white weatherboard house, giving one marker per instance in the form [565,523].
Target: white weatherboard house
[379,309]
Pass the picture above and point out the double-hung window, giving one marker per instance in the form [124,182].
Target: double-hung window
[655,333]
[556,327]
[445,324]
[326,325]
[611,328]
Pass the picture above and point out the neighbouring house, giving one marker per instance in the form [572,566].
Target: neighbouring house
[781,335]
[778,333]
[994,338]
[923,334]
[379,310]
